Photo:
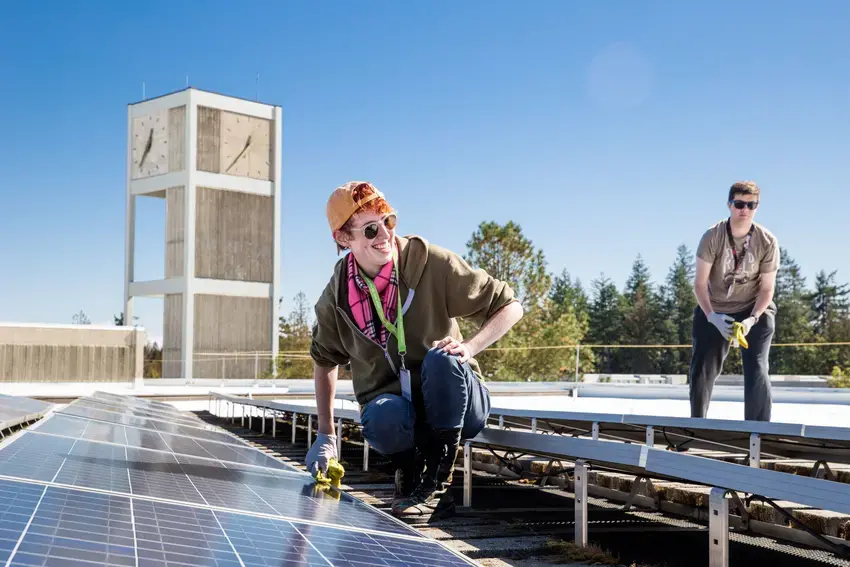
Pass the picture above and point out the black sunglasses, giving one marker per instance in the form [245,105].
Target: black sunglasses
[370,231]
[741,204]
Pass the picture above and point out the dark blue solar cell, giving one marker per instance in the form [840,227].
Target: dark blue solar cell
[17,503]
[287,494]
[169,534]
[95,465]
[36,457]
[159,475]
[72,526]
[261,540]
[199,432]
[124,409]
[64,425]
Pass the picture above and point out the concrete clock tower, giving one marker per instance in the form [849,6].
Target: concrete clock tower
[216,161]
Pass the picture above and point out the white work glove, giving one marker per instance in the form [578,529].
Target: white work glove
[723,323]
[748,324]
[321,452]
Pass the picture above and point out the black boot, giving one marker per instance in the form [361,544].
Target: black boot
[408,467]
[432,499]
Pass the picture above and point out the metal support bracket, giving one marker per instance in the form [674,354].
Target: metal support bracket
[755,450]
[365,455]
[294,426]
[718,528]
[339,438]
[467,474]
[581,469]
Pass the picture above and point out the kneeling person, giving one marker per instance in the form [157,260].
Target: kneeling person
[390,312]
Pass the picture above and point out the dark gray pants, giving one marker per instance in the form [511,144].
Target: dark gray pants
[710,350]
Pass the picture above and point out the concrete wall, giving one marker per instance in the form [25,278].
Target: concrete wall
[234,236]
[70,353]
[226,324]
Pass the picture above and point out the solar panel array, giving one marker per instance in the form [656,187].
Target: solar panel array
[122,481]
[15,410]
[777,440]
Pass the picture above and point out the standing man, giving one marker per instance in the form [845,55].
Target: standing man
[737,261]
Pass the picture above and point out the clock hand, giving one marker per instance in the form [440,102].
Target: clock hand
[147,148]
[245,149]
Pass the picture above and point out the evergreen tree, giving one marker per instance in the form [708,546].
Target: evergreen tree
[566,293]
[679,305]
[793,320]
[505,253]
[295,333]
[830,307]
[605,315]
[643,322]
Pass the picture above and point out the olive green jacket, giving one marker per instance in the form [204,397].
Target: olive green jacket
[437,286]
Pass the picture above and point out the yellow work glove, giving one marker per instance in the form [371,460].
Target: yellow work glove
[738,338]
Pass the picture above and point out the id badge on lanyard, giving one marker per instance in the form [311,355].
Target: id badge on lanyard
[404,378]
[739,262]
[396,330]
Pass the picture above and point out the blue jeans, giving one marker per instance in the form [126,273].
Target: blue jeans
[452,398]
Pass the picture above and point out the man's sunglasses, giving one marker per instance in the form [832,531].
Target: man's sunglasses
[370,231]
[741,204]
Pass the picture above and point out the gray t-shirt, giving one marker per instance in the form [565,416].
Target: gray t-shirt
[730,291]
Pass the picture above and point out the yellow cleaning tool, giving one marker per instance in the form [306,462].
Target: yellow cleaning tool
[334,474]
[738,338]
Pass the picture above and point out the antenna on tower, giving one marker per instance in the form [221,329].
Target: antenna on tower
[187,81]
[258,87]
[143,90]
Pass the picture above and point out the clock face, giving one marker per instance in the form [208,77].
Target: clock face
[150,145]
[245,146]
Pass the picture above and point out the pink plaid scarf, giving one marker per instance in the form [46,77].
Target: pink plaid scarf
[360,301]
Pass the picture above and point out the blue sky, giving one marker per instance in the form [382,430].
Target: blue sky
[606,129]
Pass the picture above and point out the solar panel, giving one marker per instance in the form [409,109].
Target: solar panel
[15,410]
[98,405]
[128,470]
[108,492]
[78,428]
[8,414]
[294,496]
[258,539]
[169,412]
[36,457]
[137,402]
[23,404]
[17,502]
[155,425]
[784,440]
[47,525]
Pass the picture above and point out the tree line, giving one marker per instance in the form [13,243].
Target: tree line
[560,313]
